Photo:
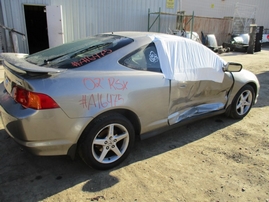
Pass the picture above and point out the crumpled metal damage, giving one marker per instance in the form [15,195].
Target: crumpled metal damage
[193,98]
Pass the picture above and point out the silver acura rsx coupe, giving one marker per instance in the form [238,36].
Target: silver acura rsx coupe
[93,96]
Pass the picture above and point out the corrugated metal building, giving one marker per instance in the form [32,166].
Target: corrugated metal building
[46,23]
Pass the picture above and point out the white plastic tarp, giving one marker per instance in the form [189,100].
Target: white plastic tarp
[186,60]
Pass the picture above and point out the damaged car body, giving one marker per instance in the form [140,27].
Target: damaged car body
[93,96]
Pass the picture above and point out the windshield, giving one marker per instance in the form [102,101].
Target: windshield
[79,53]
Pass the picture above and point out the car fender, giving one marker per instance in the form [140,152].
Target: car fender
[241,79]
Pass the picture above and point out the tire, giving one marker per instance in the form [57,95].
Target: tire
[107,141]
[242,102]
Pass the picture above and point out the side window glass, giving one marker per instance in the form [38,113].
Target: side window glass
[145,58]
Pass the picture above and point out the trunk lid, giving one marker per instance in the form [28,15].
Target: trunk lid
[17,63]
[17,70]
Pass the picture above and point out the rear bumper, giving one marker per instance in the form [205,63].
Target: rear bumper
[20,132]
[42,132]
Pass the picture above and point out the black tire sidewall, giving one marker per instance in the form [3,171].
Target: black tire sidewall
[90,133]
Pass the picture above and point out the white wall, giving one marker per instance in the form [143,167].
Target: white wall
[226,8]
[82,18]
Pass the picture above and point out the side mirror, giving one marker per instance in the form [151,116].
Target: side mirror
[232,67]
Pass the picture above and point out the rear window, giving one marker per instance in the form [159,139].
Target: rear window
[79,53]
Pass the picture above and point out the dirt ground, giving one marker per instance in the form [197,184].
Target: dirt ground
[217,159]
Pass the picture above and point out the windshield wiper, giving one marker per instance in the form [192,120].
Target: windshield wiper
[90,48]
[60,58]
[47,61]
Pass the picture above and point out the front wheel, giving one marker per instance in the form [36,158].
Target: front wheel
[107,141]
[242,102]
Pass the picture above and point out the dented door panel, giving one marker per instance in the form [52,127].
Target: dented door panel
[192,98]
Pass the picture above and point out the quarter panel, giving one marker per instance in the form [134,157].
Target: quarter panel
[242,78]
[82,94]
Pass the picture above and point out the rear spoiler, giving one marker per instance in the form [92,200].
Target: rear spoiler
[17,63]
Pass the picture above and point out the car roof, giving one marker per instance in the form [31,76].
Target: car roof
[136,34]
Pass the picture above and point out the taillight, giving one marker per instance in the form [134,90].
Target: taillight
[33,100]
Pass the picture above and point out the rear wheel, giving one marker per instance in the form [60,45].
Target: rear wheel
[107,141]
[242,102]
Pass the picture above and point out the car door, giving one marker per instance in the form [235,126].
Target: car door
[198,84]
[193,98]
